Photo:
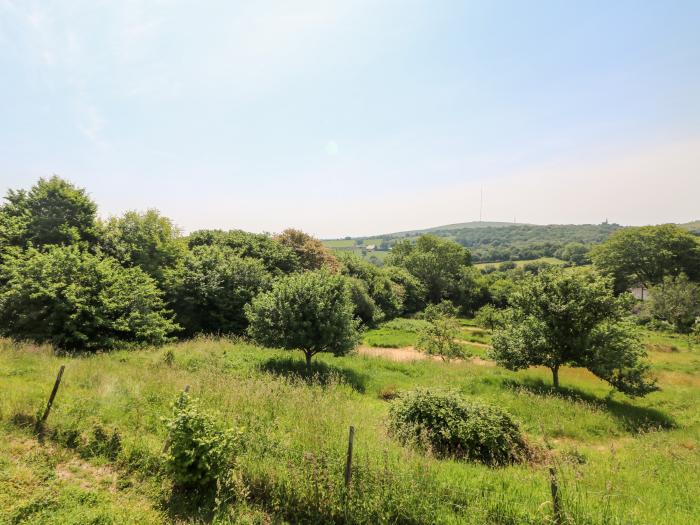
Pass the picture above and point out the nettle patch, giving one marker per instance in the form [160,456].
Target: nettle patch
[447,425]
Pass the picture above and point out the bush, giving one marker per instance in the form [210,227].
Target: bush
[449,426]
[201,454]
[79,301]
[210,288]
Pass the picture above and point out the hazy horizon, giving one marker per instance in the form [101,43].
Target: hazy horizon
[357,118]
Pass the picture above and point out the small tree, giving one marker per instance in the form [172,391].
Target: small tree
[311,312]
[439,336]
[677,301]
[489,317]
[562,318]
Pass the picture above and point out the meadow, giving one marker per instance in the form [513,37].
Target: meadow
[617,459]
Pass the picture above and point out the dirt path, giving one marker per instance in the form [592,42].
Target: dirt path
[409,353]
[479,345]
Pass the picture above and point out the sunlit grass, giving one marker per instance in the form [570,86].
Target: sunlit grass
[621,460]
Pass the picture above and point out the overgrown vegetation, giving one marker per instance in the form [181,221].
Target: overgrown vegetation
[608,449]
[448,426]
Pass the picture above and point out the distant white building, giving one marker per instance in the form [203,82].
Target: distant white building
[370,247]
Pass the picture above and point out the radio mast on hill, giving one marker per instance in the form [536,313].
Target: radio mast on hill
[481,203]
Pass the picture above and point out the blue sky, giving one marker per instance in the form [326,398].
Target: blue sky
[357,117]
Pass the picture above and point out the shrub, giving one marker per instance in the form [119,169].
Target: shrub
[449,426]
[79,301]
[211,286]
[201,454]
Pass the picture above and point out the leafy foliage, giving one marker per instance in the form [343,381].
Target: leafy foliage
[647,254]
[677,301]
[365,309]
[448,426]
[209,289]
[311,312]
[411,289]
[572,318]
[277,257]
[53,211]
[312,253]
[435,262]
[489,317]
[79,301]
[201,454]
[385,293]
[440,334]
[146,240]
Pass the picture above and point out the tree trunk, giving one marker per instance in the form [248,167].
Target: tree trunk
[308,355]
[555,376]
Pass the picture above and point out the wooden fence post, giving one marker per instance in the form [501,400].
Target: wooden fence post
[348,462]
[166,444]
[554,487]
[57,383]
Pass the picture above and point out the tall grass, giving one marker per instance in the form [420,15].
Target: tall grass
[620,460]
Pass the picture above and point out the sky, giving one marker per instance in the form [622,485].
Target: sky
[357,117]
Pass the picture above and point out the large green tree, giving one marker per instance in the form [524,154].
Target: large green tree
[310,311]
[147,240]
[439,265]
[76,300]
[647,254]
[560,318]
[53,211]
[411,289]
[385,293]
[210,287]
[277,257]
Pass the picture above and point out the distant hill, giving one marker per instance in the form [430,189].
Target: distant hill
[457,226]
[497,241]
[693,226]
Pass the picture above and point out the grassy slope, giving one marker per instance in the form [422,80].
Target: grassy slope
[621,460]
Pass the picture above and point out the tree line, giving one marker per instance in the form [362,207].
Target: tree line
[78,282]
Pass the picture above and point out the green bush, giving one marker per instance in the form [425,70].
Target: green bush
[79,301]
[209,289]
[201,454]
[449,426]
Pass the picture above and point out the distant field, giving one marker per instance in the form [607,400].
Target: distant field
[520,264]
[345,246]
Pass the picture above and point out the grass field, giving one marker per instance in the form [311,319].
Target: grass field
[619,460]
[520,264]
